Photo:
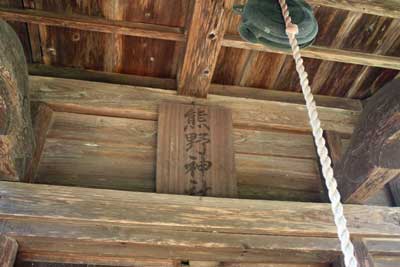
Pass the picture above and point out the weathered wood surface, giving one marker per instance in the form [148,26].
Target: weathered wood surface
[389,8]
[41,121]
[135,102]
[362,254]
[49,221]
[120,153]
[283,96]
[69,261]
[187,213]
[16,138]
[8,251]
[93,24]
[394,186]
[323,53]
[106,77]
[205,33]
[372,158]
[195,154]
[165,83]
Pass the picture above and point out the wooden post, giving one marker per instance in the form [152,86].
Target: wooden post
[195,151]
[372,158]
[8,251]
[205,34]
[16,138]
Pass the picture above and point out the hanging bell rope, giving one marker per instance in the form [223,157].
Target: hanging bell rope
[327,170]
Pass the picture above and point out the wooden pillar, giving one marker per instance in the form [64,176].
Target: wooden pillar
[16,138]
[372,158]
[8,251]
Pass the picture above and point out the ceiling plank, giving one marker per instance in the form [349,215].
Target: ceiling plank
[176,34]
[205,34]
[387,8]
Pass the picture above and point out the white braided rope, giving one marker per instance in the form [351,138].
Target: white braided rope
[327,171]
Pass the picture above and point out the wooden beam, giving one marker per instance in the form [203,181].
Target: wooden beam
[195,153]
[55,220]
[217,89]
[388,8]
[322,53]
[175,212]
[87,23]
[371,159]
[93,98]
[42,117]
[8,251]
[16,138]
[205,33]
[100,76]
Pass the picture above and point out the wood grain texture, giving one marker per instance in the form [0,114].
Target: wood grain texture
[205,33]
[189,214]
[361,253]
[91,23]
[37,243]
[70,261]
[389,8]
[318,52]
[372,157]
[93,98]
[16,138]
[195,153]
[8,251]
[119,153]
[394,186]
[41,121]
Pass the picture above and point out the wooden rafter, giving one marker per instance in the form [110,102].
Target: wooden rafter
[177,34]
[94,24]
[323,53]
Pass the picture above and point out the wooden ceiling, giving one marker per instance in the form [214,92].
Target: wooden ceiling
[354,54]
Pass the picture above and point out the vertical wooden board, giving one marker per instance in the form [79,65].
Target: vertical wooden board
[195,151]
[8,251]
